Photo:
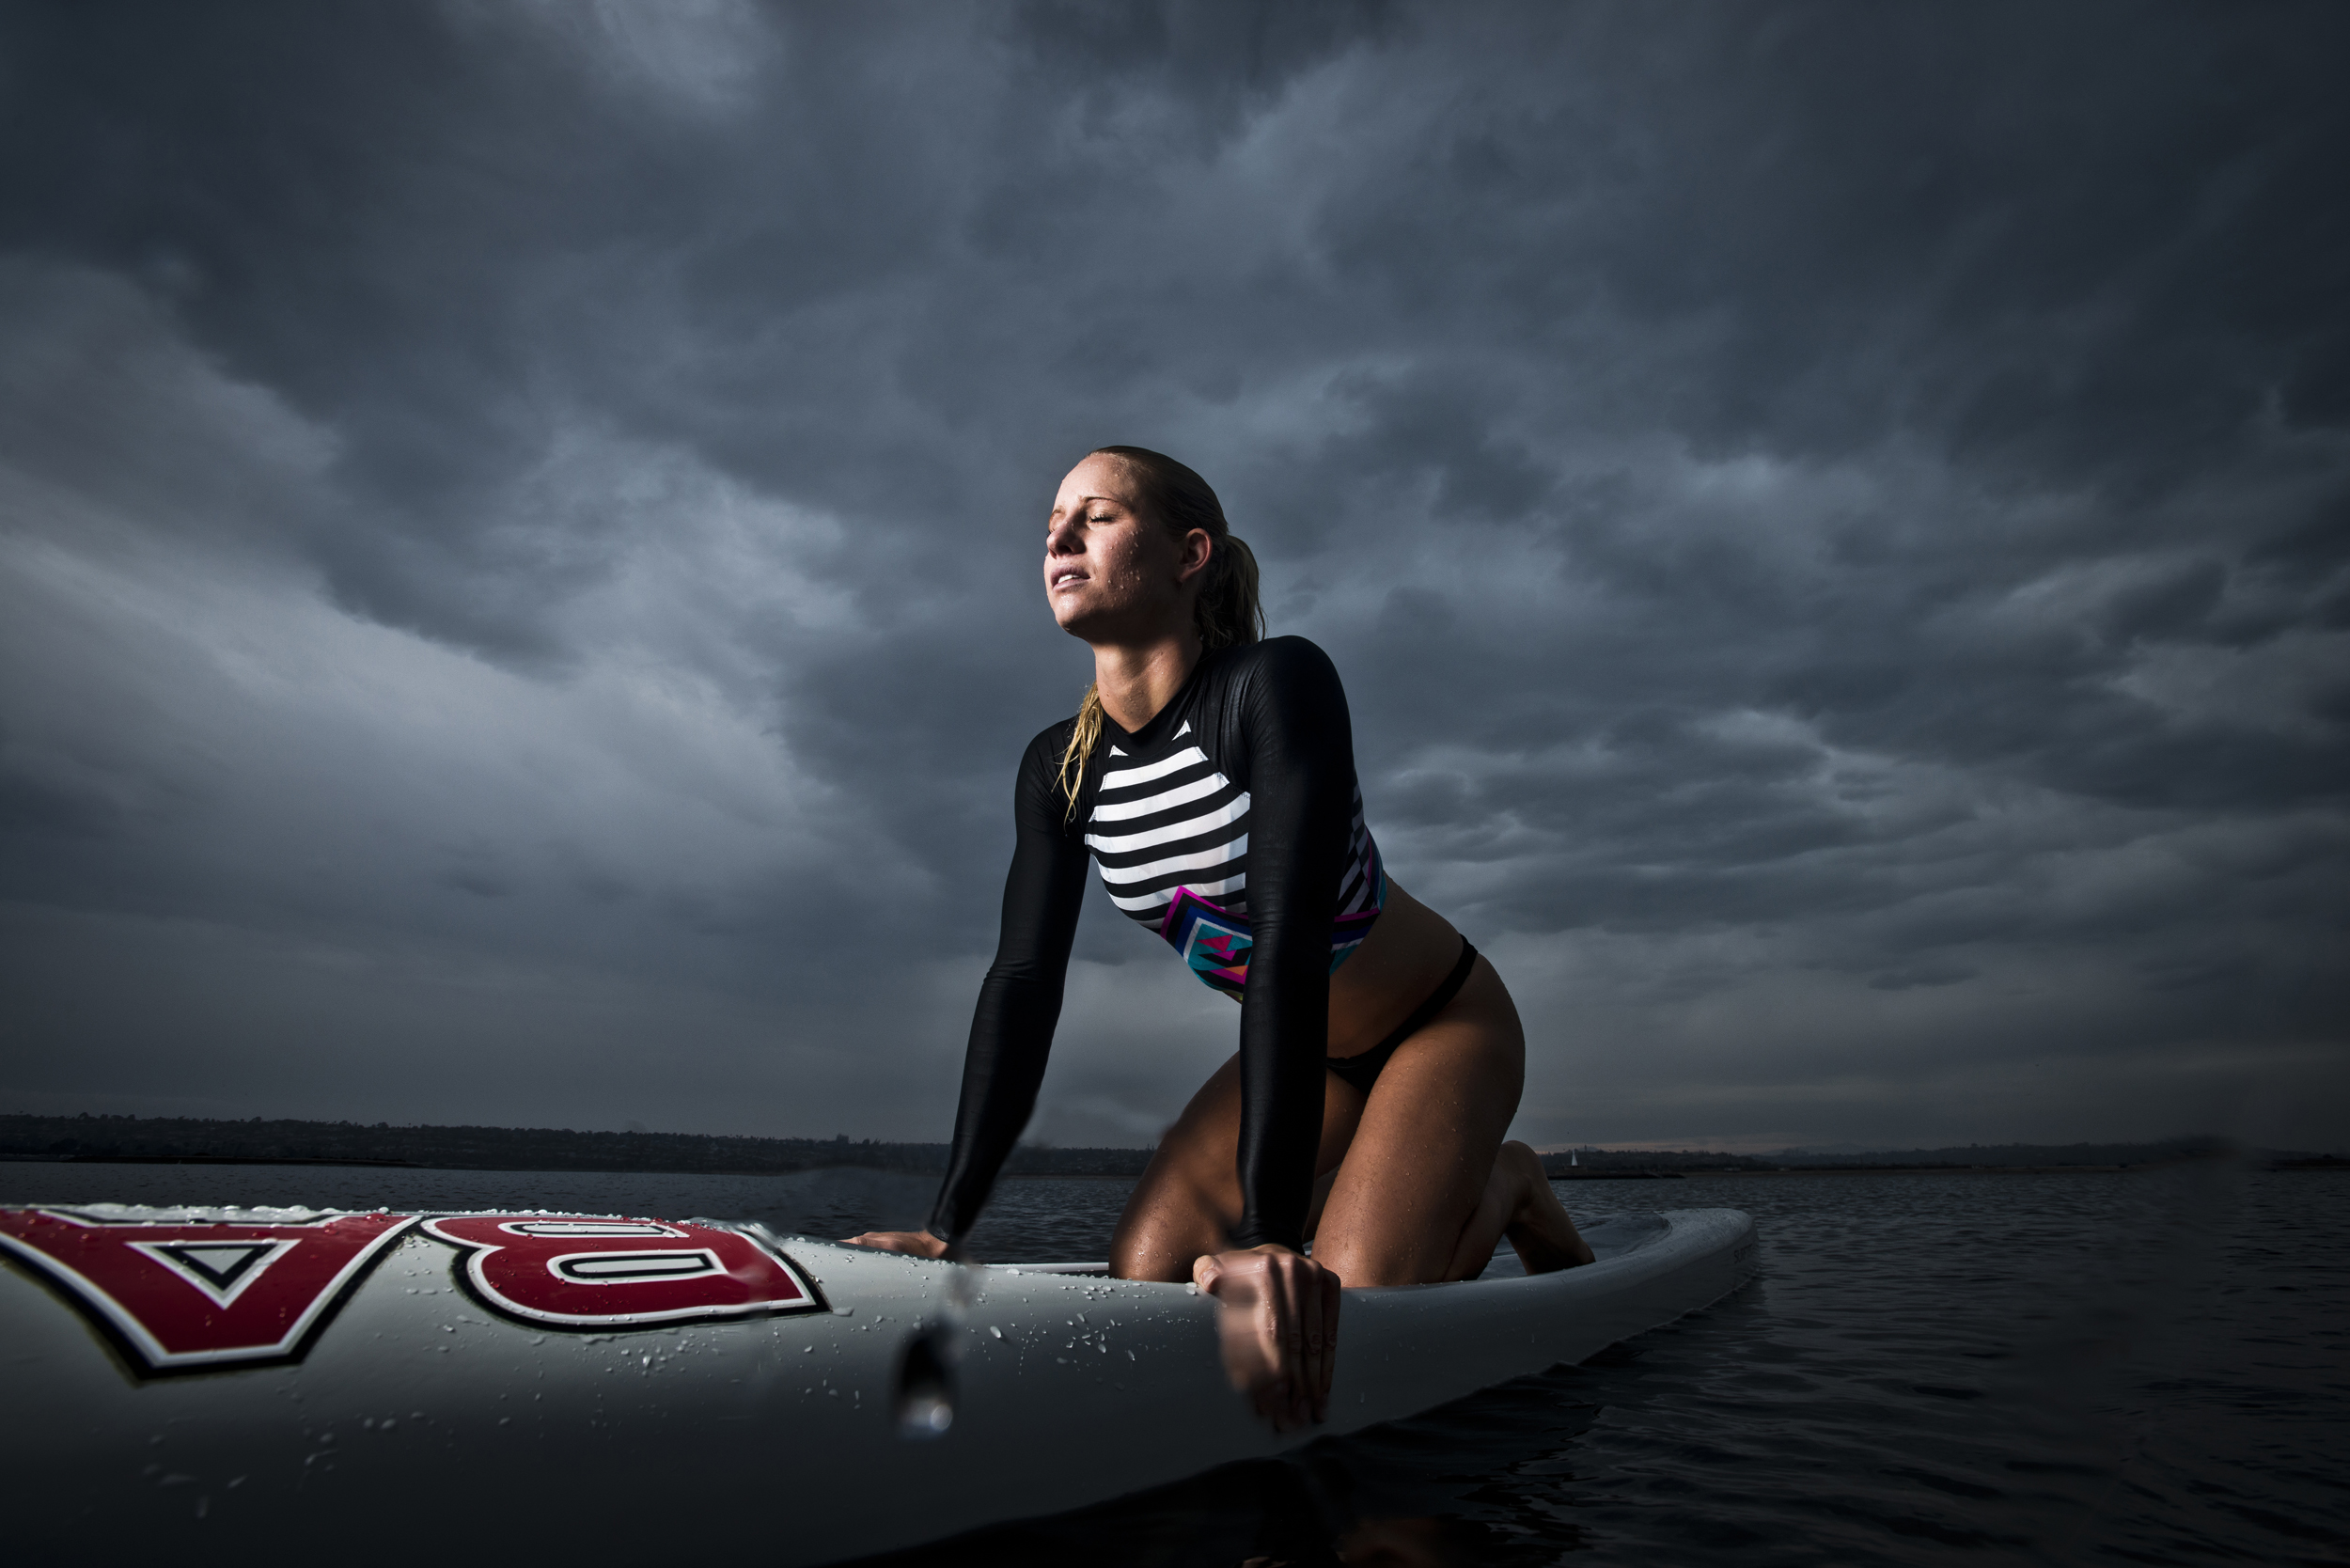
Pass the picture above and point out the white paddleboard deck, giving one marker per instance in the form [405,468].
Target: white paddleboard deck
[189,1386]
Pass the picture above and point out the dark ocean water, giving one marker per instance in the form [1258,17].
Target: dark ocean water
[2142,1367]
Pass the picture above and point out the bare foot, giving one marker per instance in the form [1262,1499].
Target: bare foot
[1543,1237]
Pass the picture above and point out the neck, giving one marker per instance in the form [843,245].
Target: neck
[1136,680]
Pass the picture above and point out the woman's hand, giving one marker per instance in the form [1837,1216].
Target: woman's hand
[919,1244]
[1279,1325]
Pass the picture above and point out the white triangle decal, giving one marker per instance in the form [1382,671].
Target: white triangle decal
[223,1270]
[1118,751]
[1181,733]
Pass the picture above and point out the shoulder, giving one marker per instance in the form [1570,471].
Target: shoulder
[1037,795]
[1282,659]
[1283,703]
[1042,760]
[1052,742]
[1278,667]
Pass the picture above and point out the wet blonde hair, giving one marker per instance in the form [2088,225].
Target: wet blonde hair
[1227,614]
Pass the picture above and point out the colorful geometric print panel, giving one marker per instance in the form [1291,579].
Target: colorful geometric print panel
[1213,942]
[1216,943]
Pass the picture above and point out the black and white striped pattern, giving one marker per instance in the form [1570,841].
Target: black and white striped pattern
[1358,891]
[1172,822]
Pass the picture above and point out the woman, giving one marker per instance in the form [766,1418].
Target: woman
[1211,773]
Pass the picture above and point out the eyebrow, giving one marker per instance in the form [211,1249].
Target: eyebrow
[1083,500]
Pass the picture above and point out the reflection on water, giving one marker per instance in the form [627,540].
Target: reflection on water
[2061,1369]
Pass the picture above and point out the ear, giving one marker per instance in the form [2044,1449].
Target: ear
[1193,554]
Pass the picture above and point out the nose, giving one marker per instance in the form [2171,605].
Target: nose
[1060,539]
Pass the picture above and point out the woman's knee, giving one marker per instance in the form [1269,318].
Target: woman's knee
[1184,1203]
[1160,1235]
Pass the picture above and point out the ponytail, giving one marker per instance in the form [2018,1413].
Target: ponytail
[1228,613]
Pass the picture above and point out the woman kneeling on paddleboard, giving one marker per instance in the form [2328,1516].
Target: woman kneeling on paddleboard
[1211,772]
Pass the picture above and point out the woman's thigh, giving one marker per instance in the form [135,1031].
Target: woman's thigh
[1188,1199]
[1423,1148]
[1411,1162]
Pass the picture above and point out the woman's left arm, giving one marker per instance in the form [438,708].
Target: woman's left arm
[1300,756]
[1280,1310]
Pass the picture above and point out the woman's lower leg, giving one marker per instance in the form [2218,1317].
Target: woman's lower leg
[1540,1230]
[1518,1203]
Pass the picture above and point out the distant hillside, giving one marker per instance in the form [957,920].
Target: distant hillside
[120,1137]
[1980,1155]
[1645,1162]
[1635,1161]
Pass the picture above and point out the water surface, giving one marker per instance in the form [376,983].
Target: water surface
[2137,1368]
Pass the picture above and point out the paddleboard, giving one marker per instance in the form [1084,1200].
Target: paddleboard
[194,1385]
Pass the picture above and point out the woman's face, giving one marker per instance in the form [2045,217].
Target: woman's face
[1111,575]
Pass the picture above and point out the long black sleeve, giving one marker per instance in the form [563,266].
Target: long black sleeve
[1291,718]
[1012,1030]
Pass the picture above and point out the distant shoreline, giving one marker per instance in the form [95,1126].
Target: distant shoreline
[194,1140]
[198,1141]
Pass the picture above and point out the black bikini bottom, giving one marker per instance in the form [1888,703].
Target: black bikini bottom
[1363,1069]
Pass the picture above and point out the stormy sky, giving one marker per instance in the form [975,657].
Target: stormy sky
[519,528]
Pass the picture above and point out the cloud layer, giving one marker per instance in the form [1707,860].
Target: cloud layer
[518,531]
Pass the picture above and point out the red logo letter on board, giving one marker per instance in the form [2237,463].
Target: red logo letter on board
[185,1296]
[580,1272]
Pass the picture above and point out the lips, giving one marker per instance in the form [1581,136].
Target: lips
[1062,579]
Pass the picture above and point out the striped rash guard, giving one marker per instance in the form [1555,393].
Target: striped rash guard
[1230,825]
[1171,832]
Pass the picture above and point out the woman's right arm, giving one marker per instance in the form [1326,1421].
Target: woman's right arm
[1012,1030]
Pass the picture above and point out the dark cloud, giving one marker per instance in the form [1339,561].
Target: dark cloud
[518,592]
